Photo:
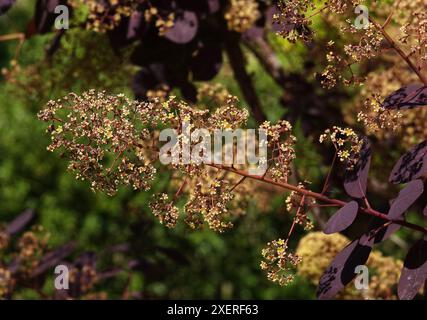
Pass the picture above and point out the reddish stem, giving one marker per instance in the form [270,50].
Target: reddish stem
[320,197]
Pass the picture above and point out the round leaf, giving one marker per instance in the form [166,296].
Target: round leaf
[342,219]
[414,272]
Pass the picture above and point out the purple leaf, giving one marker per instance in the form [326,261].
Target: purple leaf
[5,5]
[356,178]
[342,219]
[425,211]
[406,198]
[184,29]
[414,272]
[135,24]
[414,95]
[20,222]
[342,269]
[411,165]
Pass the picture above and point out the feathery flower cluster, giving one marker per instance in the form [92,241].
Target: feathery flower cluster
[111,141]
[105,15]
[241,15]
[413,20]
[293,21]
[210,204]
[341,6]
[164,210]
[346,142]
[369,44]
[375,117]
[279,263]
[99,135]
[281,143]
[301,205]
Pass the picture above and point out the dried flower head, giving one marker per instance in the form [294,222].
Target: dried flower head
[281,143]
[301,205]
[164,210]
[293,19]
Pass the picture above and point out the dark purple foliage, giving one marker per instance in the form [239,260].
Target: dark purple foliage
[45,14]
[356,178]
[20,222]
[414,272]
[184,29]
[5,5]
[425,211]
[414,95]
[342,269]
[411,165]
[342,219]
[407,196]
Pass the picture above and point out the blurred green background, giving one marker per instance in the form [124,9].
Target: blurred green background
[176,263]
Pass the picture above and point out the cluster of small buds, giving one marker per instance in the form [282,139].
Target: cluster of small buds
[99,135]
[414,34]
[6,282]
[110,141]
[341,6]
[279,263]
[281,142]
[210,206]
[301,205]
[105,15]
[229,116]
[241,15]
[293,21]
[164,210]
[337,69]
[369,44]
[376,118]
[346,142]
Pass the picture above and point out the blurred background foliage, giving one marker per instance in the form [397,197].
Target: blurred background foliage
[176,263]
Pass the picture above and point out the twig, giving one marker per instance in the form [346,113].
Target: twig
[320,197]
[393,44]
